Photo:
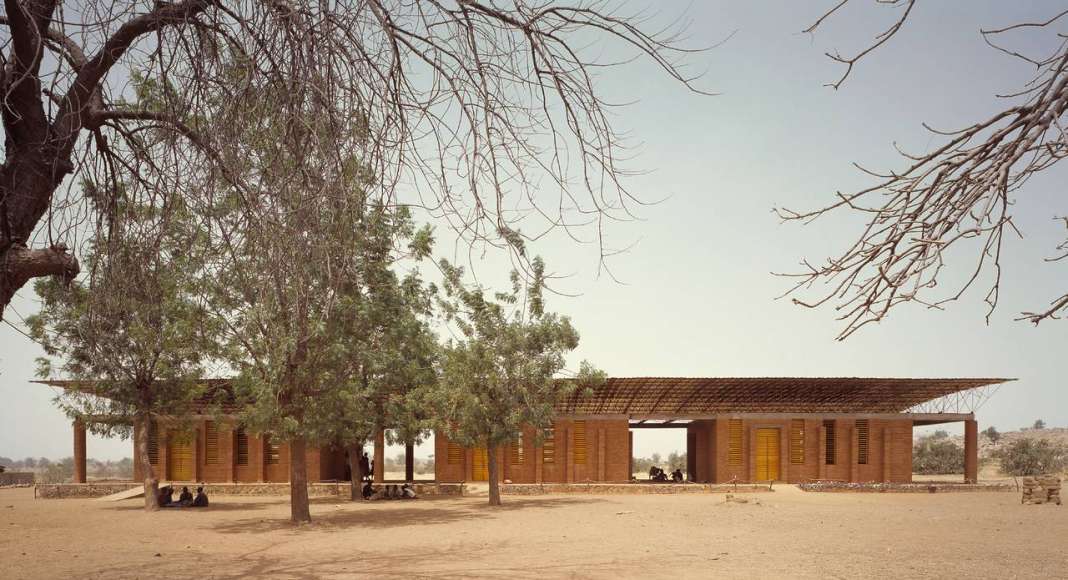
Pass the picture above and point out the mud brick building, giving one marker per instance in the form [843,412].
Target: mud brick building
[737,430]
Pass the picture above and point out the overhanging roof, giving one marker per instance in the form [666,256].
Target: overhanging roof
[682,396]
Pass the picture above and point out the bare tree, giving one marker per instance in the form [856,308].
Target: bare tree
[959,193]
[490,112]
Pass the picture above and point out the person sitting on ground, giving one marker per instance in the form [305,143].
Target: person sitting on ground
[408,492]
[186,497]
[166,496]
[676,476]
[201,500]
[368,490]
[653,472]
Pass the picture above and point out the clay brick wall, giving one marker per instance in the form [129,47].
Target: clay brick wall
[607,456]
[889,451]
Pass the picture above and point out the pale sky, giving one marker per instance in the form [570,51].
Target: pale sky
[697,297]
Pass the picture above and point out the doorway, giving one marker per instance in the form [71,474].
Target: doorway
[767,454]
[179,458]
[479,464]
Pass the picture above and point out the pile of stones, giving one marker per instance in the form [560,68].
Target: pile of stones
[1041,489]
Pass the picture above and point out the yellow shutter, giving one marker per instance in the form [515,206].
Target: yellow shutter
[734,442]
[179,458]
[211,442]
[548,447]
[153,443]
[580,442]
[797,442]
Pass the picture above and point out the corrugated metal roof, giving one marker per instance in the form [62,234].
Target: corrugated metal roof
[670,396]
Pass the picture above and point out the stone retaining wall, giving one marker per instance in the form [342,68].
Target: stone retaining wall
[16,479]
[626,488]
[93,490]
[842,487]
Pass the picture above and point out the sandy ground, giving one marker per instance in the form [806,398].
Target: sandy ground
[788,534]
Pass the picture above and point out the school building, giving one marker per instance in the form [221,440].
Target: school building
[788,429]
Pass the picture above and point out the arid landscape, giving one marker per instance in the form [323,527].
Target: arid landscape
[786,533]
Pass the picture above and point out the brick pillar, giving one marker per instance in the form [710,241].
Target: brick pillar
[854,448]
[600,454]
[539,459]
[409,461]
[380,456]
[888,454]
[569,456]
[79,451]
[630,454]
[971,451]
[823,452]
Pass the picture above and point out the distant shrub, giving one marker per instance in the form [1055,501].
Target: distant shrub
[936,453]
[992,434]
[1032,457]
[1040,424]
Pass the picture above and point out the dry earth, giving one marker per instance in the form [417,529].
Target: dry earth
[788,534]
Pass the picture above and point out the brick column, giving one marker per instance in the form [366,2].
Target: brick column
[409,461]
[539,459]
[600,454]
[854,448]
[888,453]
[971,451]
[823,452]
[630,452]
[79,451]
[569,456]
[380,456]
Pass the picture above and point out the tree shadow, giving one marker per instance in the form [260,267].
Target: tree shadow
[395,514]
[215,506]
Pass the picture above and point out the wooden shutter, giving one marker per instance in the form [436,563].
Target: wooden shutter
[734,442]
[515,450]
[242,447]
[153,443]
[272,451]
[548,447]
[831,446]
[862,441]
[797,442]
[580,442]
[455,453]
[211,442]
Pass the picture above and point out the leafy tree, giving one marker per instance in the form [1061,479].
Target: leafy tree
[498,375]
[1039,424]
[59,472]
[1028,456]
[323,333]
[136,331]
[937,454]
[992,434]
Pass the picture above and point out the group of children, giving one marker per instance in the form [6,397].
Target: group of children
[185,499]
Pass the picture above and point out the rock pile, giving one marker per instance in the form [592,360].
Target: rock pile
[1041,489]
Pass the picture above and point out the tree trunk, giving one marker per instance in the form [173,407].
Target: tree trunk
[494,479]
[355,452]
[299,510]
[144,425]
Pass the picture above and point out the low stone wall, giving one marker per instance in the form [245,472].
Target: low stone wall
[16,479]
[93,490]
[80,490]
[628,488]
[940,487]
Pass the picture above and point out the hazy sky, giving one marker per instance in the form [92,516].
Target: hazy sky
[697,296]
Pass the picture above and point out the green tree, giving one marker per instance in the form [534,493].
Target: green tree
[1039,424]
[498,375]
[1027,456]
[937,454]
[992,434]
[136,331]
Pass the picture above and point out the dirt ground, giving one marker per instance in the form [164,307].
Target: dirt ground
[788,534]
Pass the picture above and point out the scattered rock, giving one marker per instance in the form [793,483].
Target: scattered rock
[158,555]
